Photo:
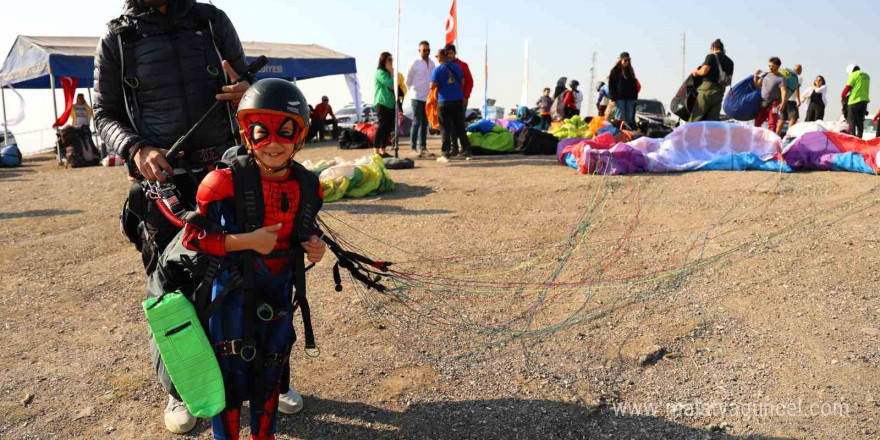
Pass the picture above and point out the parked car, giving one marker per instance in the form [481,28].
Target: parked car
[346,117]
[652,118]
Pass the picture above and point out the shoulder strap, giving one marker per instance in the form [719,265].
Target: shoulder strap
[304,223]
[246,182]
[126,51]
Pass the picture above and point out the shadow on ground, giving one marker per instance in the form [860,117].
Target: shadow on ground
[38,213]
[380,209]
[506,161]
[11,173]
[482,419]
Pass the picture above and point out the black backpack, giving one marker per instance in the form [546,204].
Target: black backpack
[683,103]
[532,141]
[351,139]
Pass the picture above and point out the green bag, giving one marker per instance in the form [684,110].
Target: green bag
[187,353]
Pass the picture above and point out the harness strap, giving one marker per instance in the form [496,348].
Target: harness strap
[126,51]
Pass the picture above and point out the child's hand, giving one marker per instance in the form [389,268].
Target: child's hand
[315,249]
[263,240]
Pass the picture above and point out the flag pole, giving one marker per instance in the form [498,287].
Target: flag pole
[396,85]
[486,74]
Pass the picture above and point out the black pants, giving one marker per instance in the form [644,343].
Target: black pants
[321,127]
[452,127]
[855,117]
[385,126]
[815,112]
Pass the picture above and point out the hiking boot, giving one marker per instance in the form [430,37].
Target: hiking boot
[465,156]
[290,402]
[444,158]
[177,418]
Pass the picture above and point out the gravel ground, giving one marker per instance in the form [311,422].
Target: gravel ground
[740,289]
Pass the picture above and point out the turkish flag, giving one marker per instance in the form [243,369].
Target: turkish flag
[69,87]
[452,25]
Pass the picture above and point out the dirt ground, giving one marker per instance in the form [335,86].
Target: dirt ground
[701,291]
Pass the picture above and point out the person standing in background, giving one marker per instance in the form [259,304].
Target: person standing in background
[570,99]
[794,100]
[856,96]
[384,103]
[774,95]
[818,100]
[623,88]
[603,99]
[447,79]
[544,103]
[710,93]
[418,79]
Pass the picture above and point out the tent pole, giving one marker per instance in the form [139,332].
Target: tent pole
[5,129]
[55,106]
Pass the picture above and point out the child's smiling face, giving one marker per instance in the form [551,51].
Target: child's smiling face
[276,153]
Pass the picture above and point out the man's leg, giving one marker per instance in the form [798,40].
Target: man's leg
[761,117]
[461,134]
[417,122]
[423,127]
[700,106]
[445,129]
[774,119]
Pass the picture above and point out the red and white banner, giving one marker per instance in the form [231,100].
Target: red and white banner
[452,25]
[68,85]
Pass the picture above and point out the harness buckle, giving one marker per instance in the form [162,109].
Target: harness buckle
[229,348]
[248,349]
[265,312]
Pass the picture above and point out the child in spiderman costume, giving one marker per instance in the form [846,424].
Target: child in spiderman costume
[251,326]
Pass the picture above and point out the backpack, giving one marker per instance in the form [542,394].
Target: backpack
[684,100]
[557,109]
[532,141]
[351,139]
[78,147]
[724,79]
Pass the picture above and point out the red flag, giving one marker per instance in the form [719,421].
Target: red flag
[452,25]
[69,87]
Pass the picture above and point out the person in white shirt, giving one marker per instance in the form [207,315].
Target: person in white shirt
[818,100]
[578,99]
[418,79]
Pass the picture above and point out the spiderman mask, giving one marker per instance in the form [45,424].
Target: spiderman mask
[264,128]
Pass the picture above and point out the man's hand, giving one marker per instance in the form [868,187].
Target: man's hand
[314,248]
[233,92]
[150,161]
[758,72]
[263,240]
[464,103]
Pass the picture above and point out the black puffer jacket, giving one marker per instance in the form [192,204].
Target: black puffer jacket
[172,74]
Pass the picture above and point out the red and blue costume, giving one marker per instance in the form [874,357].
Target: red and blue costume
[272,279]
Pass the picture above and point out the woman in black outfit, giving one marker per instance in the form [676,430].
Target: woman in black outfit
[818,100]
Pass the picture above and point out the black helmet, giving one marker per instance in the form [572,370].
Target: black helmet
[273,95]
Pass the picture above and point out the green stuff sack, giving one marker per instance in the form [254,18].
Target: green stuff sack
[187,353]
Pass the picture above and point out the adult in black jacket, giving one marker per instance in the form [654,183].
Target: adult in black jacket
[623,88]
[159,67]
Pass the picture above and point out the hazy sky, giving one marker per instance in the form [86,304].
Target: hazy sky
[823,36]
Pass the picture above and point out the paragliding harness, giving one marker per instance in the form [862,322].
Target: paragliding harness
[249,214]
